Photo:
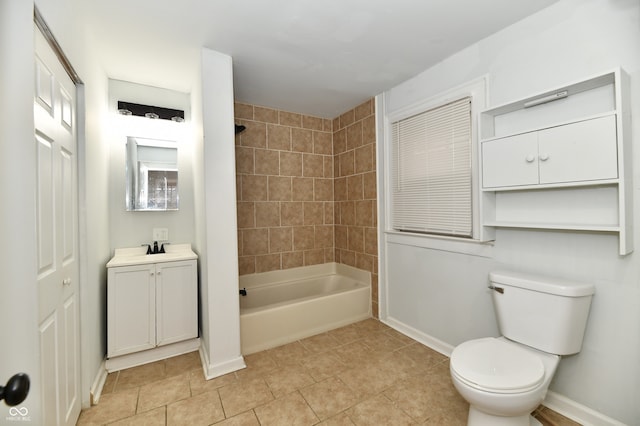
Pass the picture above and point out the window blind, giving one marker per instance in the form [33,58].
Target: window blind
[431,171]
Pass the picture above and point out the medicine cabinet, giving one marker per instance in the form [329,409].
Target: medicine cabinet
[561,160]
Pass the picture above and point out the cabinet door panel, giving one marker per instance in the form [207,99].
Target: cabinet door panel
[131,309]
[580,151]
[510,161]
[177,301]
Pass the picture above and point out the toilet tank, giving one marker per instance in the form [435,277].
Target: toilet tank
[545,313]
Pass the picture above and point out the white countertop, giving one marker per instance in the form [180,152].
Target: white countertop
[138,255]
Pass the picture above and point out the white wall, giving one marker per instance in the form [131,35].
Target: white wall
[219,263]
[443,295]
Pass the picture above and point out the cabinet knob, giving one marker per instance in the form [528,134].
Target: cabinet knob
[544,157]
[66,281]
[530,158]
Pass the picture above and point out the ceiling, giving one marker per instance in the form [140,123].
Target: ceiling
[308,56]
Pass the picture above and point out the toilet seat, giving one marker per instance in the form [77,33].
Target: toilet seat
[493,365]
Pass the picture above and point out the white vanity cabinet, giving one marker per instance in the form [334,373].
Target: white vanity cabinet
[563,164]
[152,306]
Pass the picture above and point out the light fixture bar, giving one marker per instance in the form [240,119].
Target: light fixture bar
[544,100]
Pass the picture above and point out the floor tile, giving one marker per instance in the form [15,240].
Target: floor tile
[248,418]
[244,395]
[141,375]
[200,410]
[340,420]
[329,397]
[323,366]
[112,407]
[378,411]
[287,380]
[179,364]
[199,384]
[345,335]
[320,343]
[289,410]
[163,392]
[155,417]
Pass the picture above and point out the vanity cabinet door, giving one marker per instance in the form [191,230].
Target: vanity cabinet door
[510,161]
[131,309]
[176,301]
[582,151]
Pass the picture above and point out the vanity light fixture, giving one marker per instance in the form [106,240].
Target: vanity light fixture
[150,111]
[545,99]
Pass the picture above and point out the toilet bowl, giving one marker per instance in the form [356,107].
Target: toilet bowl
[503,381]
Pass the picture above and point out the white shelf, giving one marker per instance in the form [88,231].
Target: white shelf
[580,198]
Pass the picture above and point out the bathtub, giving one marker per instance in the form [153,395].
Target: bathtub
[284,306]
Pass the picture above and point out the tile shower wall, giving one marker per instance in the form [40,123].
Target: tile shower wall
[284,172]
[356,220]
[306,190]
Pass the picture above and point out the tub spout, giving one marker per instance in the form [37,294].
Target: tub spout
[243,292]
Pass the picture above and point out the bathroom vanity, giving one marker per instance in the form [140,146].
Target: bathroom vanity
[152,305]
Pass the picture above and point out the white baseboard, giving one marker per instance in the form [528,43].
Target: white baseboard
[577,412]
[558,403]
[215,370]
[430,341]
[98,384]
[151,355]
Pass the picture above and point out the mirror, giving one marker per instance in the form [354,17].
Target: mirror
[152,175]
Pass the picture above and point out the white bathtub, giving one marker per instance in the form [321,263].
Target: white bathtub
[284,306]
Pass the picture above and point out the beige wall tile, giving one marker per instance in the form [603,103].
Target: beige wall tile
[323,189]
[312,165]
[267,262]
[328,166]
[303,238]
[364,159]
[347,118]
[324,236]
[365,262]
[322,143]
[280,239]
[369,130]
[364,213]
[246,215]
[340,141]
[255,135]
[246,265]
[335,124]
[243,111]
[267,214]
[313,257]
[327,125]
[347,213]
[292,260]
[265,115]
[279,188]
[363,110]
[341,237]
[329,213]
[254,188]
[371,241]
[356,239]
[302,189]
[329,255]
[291,214]
[255,241]
[244,160]
[347,164]
[266,162]
[369,184]
[348,258]
[290,163]
[313,123]
[340,189]
[354,135]
[291,119]
[301,140]
[278,137]
[313,213]
[354,187]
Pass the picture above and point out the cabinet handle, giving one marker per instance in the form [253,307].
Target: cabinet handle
[544,157]
[530,158]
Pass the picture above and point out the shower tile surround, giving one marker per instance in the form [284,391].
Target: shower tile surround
[306,189]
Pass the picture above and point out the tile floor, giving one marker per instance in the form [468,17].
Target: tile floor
[362,374]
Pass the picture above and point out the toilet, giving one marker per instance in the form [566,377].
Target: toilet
[505,378]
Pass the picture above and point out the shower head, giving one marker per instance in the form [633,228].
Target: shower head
[240,128]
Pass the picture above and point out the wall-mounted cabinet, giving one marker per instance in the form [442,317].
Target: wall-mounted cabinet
[560,160]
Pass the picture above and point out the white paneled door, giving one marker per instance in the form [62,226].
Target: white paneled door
[57,224]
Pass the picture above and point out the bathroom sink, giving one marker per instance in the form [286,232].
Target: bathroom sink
[138,256]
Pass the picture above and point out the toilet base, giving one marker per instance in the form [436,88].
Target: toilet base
[480,418]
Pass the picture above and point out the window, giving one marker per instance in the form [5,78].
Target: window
[431,171]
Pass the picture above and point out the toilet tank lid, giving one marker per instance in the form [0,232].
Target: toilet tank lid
[543,284]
